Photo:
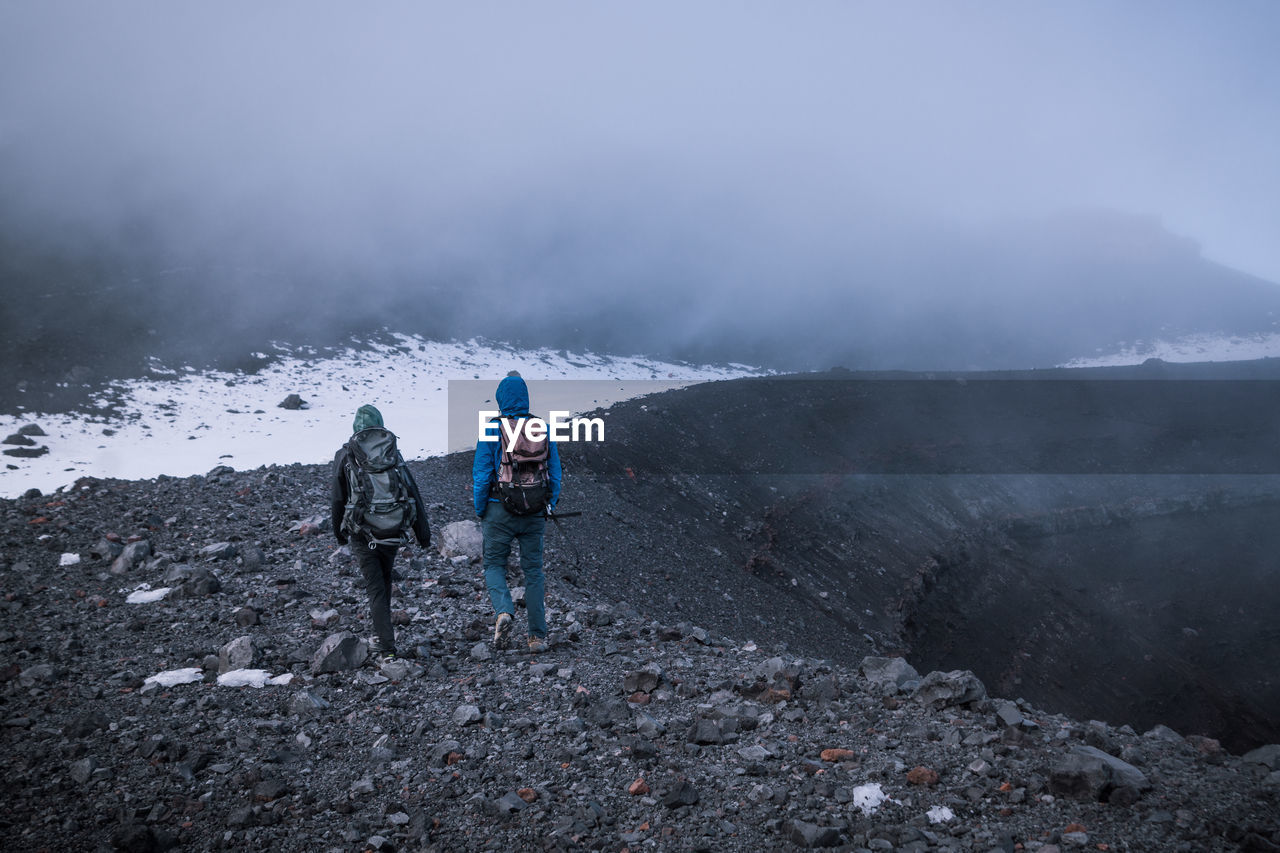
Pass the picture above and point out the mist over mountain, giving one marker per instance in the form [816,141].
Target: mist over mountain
[881,293]
[844,185]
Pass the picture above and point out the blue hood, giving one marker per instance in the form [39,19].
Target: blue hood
[513,396]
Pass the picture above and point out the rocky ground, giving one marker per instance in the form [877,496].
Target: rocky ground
[632,732]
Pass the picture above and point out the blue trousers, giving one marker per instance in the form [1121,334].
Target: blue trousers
[501,528]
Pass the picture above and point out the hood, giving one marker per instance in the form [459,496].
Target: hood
[366,416]
[513,396]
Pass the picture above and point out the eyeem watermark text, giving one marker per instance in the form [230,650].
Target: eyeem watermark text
[559,428]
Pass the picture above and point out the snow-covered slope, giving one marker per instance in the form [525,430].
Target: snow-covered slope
[1192,348]
[193,423]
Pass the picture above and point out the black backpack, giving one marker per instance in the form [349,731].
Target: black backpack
[379,503]
[524,483]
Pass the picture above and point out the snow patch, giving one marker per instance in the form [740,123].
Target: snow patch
[940,814]
[1191,348]
[170,677]
[869,798]
[181,422]
[145,595]
[252,678]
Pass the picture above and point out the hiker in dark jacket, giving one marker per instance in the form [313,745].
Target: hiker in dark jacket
[502,527]
[375,557]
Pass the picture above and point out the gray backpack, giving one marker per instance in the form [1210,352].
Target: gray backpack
[379,504]
[524,483]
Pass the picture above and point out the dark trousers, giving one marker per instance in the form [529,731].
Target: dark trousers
[375,565]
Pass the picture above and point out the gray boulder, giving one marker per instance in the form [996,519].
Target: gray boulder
[237,654]
[681,794]
[467,714]
[1268,755]
[642,680]
[509,803]
[1088,773]
[705,733]
[109,547]
[339,652]
[82,770]
[890,674]
[191,581]
[313,525]
[957,687]
[439,754]
[131,557]
[461,539]
[1008,714]
[326,618]
[307,704]
[809,835]
[26,452]
[218,551]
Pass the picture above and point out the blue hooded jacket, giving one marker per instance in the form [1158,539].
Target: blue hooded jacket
[513,400]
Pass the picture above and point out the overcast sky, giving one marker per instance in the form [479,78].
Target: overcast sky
[427,130]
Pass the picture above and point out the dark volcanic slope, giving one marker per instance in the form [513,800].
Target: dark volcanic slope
[1059,536]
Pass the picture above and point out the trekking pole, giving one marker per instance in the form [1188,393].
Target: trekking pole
[555,517]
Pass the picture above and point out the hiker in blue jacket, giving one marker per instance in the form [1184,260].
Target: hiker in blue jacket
[501,526]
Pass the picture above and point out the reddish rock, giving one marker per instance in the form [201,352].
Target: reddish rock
[921,775]
[838,755]
[1205,745]
[638,788]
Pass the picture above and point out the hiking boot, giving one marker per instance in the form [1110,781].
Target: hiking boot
[537,645]
[502,631]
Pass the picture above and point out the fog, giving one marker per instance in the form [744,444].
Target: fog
[797,184]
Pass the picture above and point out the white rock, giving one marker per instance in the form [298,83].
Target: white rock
[940,814]
[69,560]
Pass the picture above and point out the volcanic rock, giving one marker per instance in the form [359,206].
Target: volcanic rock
[237,654]
[26,452]
[218,551]
[131,556]
[461,539]
[957,687]
[338,652]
